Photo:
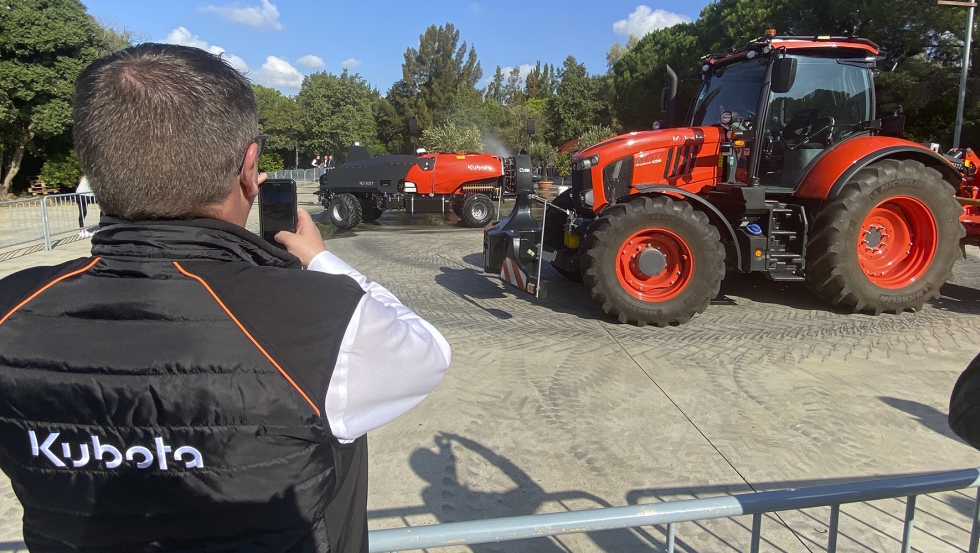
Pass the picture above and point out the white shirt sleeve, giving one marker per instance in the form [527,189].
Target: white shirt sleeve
[389,360]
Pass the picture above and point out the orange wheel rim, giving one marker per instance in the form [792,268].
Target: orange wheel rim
[654,265]
[897,242]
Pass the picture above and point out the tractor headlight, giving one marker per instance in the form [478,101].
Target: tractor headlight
[587,163]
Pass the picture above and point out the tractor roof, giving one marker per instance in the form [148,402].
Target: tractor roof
[850,46]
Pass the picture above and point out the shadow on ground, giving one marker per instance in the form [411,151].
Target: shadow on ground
[926,415]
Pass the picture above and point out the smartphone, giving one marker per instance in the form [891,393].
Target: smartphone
[277,208]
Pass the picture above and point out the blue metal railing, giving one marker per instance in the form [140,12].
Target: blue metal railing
[674,512]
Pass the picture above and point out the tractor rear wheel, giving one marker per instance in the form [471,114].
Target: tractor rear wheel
[345,211]
[477,210]
[554,231]
[888,241]
[653,260]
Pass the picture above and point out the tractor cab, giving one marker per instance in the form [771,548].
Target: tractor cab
[787,100]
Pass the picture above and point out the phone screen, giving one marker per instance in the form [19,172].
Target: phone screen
[277,208]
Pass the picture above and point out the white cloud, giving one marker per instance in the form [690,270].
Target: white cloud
[265,15]
[476,9]
[311,62]
[525,70]
[350,64]
[644,20]
[279,73]
[183,37]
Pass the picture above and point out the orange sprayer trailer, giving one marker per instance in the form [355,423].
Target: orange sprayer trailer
[782,167]
[465,183]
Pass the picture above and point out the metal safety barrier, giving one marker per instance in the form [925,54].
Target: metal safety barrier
[673,512]
[312,175]
[35,219]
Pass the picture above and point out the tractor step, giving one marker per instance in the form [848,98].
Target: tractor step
[786,278]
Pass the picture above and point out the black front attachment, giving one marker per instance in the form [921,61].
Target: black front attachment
[512,247]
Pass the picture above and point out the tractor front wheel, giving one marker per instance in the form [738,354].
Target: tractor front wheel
[653,260]
[477,210]
[888,241]
[345,211]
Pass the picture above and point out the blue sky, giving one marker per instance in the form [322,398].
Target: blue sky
[280,41]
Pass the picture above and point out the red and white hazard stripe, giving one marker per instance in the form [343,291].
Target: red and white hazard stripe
[511,273]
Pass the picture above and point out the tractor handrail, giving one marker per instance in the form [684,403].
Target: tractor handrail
[673,512]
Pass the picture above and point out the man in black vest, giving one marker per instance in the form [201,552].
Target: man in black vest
[190,387]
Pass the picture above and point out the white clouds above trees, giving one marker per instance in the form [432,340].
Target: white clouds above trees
[311,62]
[350,64]
[184,37]
[644,20]
[263,16]
[278,73]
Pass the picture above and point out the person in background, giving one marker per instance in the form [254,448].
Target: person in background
[329,163]
[316,162]
[83,188]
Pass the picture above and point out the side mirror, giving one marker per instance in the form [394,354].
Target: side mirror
[530,127]
[668,99]
[783,75]
[893,124]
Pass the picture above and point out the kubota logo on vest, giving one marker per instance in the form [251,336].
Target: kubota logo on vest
[111,456]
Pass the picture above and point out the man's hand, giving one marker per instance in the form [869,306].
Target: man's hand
[306,242]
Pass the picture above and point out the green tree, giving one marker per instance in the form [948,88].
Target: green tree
[594,135]
[61,169]
[431,75]
[336,111]
[450,138]
[495,90]
[44,45]
[540,82]
[575,105]
[271,161]
[279,118]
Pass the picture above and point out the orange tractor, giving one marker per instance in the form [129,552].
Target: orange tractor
[781,167]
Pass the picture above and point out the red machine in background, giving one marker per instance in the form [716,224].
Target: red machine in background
[364,187]
[965,161]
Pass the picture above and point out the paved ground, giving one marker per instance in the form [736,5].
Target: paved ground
[550,406]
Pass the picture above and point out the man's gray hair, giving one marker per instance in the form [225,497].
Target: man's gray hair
[161,130]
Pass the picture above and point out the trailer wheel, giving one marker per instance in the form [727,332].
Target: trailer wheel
[370,213]
[888,241]
[653,260]
[345,211]
[477,210]
[554,231]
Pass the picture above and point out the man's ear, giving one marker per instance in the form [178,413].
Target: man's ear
[249,180]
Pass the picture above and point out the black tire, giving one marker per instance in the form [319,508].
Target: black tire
[618,224]
[554,231]
[477,210]
[834,266]
[370,213]
[457,206]
[344,211]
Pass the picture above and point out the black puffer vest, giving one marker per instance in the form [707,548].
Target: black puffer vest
[167,395]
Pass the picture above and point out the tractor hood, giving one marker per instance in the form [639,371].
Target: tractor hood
[686,157]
